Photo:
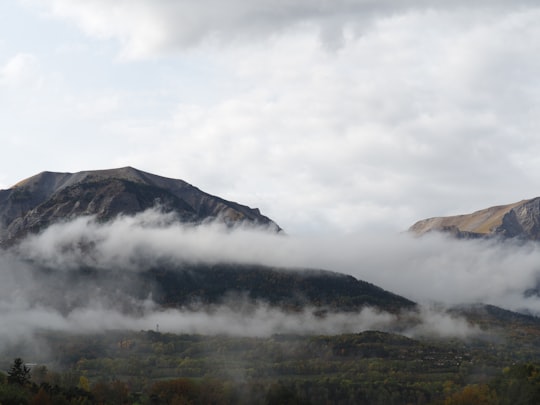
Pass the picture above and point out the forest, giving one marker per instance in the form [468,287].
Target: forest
[150,367]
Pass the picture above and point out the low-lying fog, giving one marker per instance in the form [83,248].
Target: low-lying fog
[428,269]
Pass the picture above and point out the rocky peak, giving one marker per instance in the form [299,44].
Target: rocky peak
[517,220]
[48,197]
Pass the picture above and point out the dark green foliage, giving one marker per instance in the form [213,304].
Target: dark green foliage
[518,385]
[113,393]
[18,373]
[14,395]
[289,289]
[189,391]
[234,285]
[148,367]
[280,394]
[366,368]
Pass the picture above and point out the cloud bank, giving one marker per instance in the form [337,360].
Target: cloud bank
[144,27]
[429,269]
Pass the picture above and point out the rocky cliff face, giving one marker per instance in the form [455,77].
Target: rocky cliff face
[517,220]
[48,197]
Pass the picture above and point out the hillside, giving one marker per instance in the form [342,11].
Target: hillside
[516,220]
[192,286]
[34,204]
[48,197]
[370,367]
[291,289]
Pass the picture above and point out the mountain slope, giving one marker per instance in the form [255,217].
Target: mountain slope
[196,286]
[287,288]
[39,201]
[520,219]
[48,197]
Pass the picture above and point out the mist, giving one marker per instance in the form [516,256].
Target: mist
[430,269]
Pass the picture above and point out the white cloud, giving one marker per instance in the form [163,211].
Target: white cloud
[395,126]
[98,107]
[422,108]
[429,269]
[432,268]
[20,71]
[259,320]
[29,299]
[145,27]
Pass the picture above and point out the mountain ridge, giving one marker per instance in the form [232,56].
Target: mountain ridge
[47,197]
[516,220]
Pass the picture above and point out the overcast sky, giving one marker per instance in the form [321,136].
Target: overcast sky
[329,115]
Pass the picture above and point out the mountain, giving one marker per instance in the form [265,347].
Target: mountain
[195,286]
[33,204]
[518,220]
[286,288]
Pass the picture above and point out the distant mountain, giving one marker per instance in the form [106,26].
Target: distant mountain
[33,204]
[491,316]
[517,220]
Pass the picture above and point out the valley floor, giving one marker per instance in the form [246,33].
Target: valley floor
[149,367]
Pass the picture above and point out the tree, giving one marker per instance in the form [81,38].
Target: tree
[113,393]
[41,398]
[84,383]
[39,374]
[473,395]
[18,373]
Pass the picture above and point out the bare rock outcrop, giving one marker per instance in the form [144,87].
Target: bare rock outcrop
[48,197]
[518,220]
